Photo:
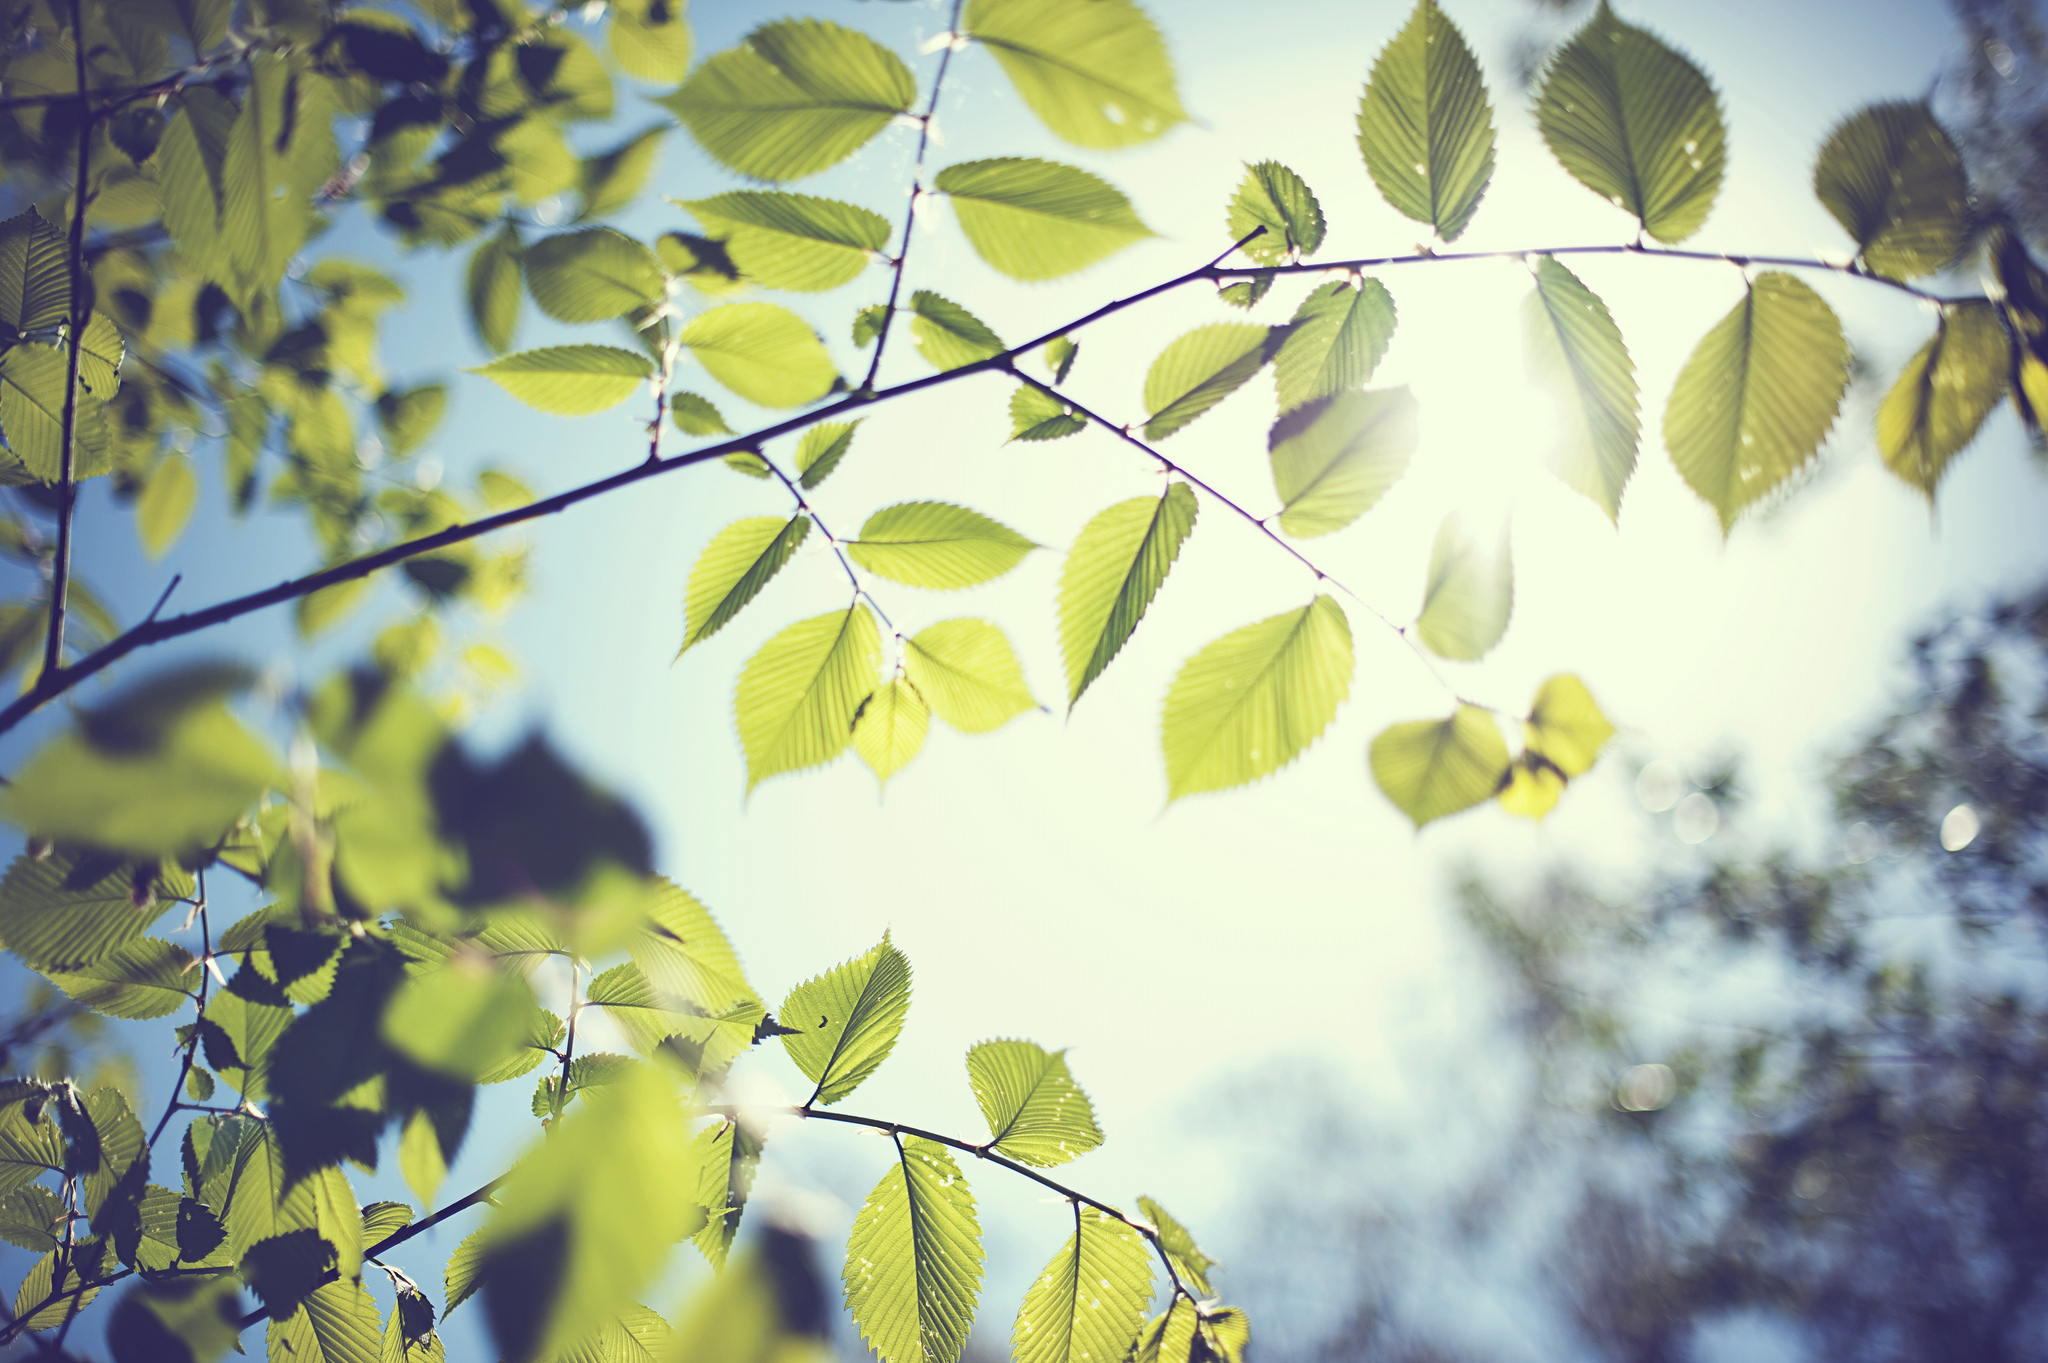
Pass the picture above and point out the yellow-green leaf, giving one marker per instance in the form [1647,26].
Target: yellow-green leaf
[914,1258]
[734,568]
[948,335]
[858,1007]
[1576,351]
[591,275]
[1037,415]
[966,671]
[1932,413]
[1096,71]
[651,39]
[796,700]
[1470,595]
[611,180]
[1895,182]
[570,380]
[1089,1301]
[792,241]
[891,728]
[821,449]
[1036,1113]
[494,292]
[1036,219]
[766,354]
[937,545]
[1425,127]
[1275,198]
[1339,333]
[696,415]
[165,504]
[1433,767]
[1202,368]
[1334,458]
[1116,566]
[1565,725]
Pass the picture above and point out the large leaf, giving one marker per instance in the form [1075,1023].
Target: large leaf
[338,1323]
[966,671]
[792,99]
[1425,127]
[1470,595]
[1089,1301]
[28,1150]
[1334,458]
[35,275]
[948,335]
[1758,396]
[569,380]
[792,241]
[1035,219]
[685,955]
[1895,182]
[643,1016]
[1187,1258]
[189,162]
[1944,394]
[1252,701]
[1116,566]
[32,380]
[1202,368]
[592,275]
[766,354]
[149,978]
[1433,767]
[891,729]
[1275,198]
[1576,351]
[1637,123]
[913,1261]
[734,568]
[1340,331]
[1096,71]
[858,1009]
[1036,1113]
[796,700]
[937,545]
[463,1020]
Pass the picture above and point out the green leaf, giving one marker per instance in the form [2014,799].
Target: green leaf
[891,728]
[1576,351]
[792,241]
[914,1259]
[1433,767]
[734,568]
[461,1020]
[1246,293]
[569,380]
[1201,369]
[1944,393]
[948,335]
[190,161]
[1565,725]
[409,418]
[793,98]
[1340,331]
[592,275]
[632,1003]
[1758,396]
[1038,415]
[1637,123]
[766,354]
[694,415]
[859,1009]
[494,292]
[1895,182]
[32,382]
[1089,1302]
[30,1216]
[35,275]
[339,1323]
[263,220]
[821,449]
[937,545]
[1252,701]
[1036,1113]
[165,504]
[1095,71]
[685,955]
[1188,1260]
[1034,219]
[651,39]
[1470,595]
[796,700]
[867,324]
[554,1093]
[967,673]
[1425,127]
[1275,198]
[100,352]
[148,978]
[611,180]
[1334,458]
[28,1150]
[726,1155]
[1115,568]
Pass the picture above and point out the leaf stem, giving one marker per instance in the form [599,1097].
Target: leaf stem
[192,1046]
[860,591]
[67,486]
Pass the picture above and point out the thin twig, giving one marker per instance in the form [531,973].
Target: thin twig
[192,1046]
[67,486]
[804,507]
[157,609]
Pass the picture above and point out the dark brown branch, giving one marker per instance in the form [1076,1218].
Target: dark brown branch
[67,485]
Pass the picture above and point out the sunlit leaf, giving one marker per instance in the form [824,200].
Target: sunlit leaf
[726,1156]
[1188,1260]
[685,955]
[1334,458]
[1533,787]
[1433,767]
[792,241]
[1116,566]
[796,700]
[643,1017]
[35,274]
[914,1259]
[1275,198]
[1036,1113]
[1035,219]
[1470,594]
[821,449]
[1202,368]
[1425,127]
[1944,393]
[858,1009]
[1576,351]
[695,415]
[948,335]
[1096,71]
[144,979]
[32,383]
[891,728]
[734,568]
[1565,725]
[651,39]
[100,352]
[1895,182]
[1338,335]
[494,292]
[766,354]
[570,380]
[612,179]
[462,1020]
[1088,1303]
[937,545]
[1059,356]
[1038,415]
[165,504]
[966,671]
[592,275]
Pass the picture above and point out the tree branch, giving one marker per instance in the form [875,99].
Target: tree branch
[67,487]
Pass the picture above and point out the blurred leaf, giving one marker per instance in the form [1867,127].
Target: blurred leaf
[1337,338]
[1576,351]
[630,1001]
[1637,123]
[1095,71]
[1115,568]
[165,504]
[821,449]
[612,179]
[570,380]
[694,415]
[1334,458]
[1433,767]
[1470,595]
[1246,293]
[792,241]
[1250,702]
[685,955]
[948,335]
[1565,727]
[919,1217]
[1275,198]
[867,324]
[1425,126]
[796,700]
[766,354]
[494,292]
[1758,396]
[891,728]
[1034,219]
[1036,1113]
[1895,182]
[175,1321]
[1189,1261]
[1037,415]
[966,671]
[859,1007]
[462,1020]
[189,164]
[409,418]
[651,39]
[1089,1302]
[937,545]
[1944,393]
[734,568]
[1202,368]
[592,275]
[793,98]
[1059,356]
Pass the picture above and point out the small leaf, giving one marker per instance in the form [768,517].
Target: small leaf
[1116,566]
[1758,396]
[891,729]
[494,292]
[766,354]
[1202,368]
[592,275]
[569,380]
[1059,356]
[1637,123]
[937,545]
[1576,350]
[1035,219]
[1425,127]
[165,504]
[409,419]
[792,241]
[1089,1302]
[948,335]
[749,463]
[1246,293]
[611,180]
[1038,415]
[1336,341]
[1944,393]
[867,324]
[966,671]
[1895,182]
[100,352]
[1036,1113]
[694,415]
[793,98]
[1334,458]
[1095,71]
[1433,767]
[1565,726]
[1192,1265]
[846,1021]
[32,383]
[797,699]
[914,1259]
[1275,198]
[1471,594]
[821,449]
[734,568]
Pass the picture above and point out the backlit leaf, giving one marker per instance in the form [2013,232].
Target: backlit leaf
[1096,71]
[1038,415]
[592,275]
[891,728]
[1089,1301]
[1036,1113]
[1470,594]
[632,1003]
[1334,458]
[821,449]
[1337,338]
[686,957]
[569,380]
[1116,566]
[694,415]
[611,180]
[1275,198]
[1202,368]
[845,1022]
[494,292]
[766,354]
[165,504]
[1944,393]
[32,381]
[1425,127]
[914,1259]
[100,352]
[1059,356]
[1895,182]
[726,1156]
[462,1020]
[1035,219]
[948,335]
[792,241]
[796,700]
[966,671]
[1188,1260]
[734,568]
[651,39]
[1565,726]
[1433,767]
[1252,701]
[937,545]
[1576,351]
[35,274]
[144,979]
